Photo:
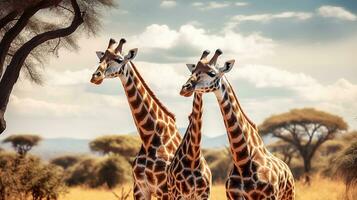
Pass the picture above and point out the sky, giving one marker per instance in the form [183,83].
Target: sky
[289,54]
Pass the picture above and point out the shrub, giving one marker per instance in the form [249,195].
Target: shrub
[113,170]
[220,163]
[212,155]
[82,173]
[346,167]
[25,177]
[65,161]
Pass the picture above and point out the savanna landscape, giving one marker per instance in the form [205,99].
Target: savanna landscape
[68,132]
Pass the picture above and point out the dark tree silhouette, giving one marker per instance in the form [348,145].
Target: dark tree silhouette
[286,150]
[125,145]
[346,168]
[112,171]
[306,129]
[22,143]
[28,36]
[331,147]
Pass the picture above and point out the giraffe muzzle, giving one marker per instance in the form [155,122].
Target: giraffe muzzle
[96,81]
[187,90]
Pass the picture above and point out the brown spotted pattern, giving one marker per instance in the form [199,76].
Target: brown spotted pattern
[189,177]
[155,124]
[256,174]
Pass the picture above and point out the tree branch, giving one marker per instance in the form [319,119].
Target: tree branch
[12,72]
[8,18]
[66,8]
[55,49]
[13,32]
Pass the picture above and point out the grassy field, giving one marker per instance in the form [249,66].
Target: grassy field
[320,189]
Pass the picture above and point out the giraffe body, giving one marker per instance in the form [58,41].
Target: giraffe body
[256,174]
[189,177]
[155,124]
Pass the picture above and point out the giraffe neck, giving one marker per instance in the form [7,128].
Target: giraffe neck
[192,139]
[245,143]
[145,107]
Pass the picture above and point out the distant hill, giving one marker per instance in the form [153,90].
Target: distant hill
[53,147]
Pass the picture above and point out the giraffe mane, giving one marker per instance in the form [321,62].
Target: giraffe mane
[151,93]
[245,116]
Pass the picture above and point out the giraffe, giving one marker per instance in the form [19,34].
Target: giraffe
[256,173]
[155,123]
[189,177]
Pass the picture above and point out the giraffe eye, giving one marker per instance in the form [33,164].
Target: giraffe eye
[211,73]
[118,60]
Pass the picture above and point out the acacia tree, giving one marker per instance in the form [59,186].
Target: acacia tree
[34,29]
[22,143]
[331,147]
[286,150]
[124,145]
[306,129]
[66,161]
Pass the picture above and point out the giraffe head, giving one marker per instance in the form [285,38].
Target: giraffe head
[112,62]
[206,75]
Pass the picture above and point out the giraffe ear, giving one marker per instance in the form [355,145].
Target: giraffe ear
[191,67]
[132,54]
[227,66]
[100,54]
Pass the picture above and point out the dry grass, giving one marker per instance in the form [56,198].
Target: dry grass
[320,189]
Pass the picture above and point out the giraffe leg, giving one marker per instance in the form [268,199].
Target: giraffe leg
[140,194]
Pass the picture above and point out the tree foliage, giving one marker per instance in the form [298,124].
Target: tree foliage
[220,163]
[331,147]
[284,149]
[31,30]
[113,171]
[349,137]
[28,177]
[125,145]
[83,173]
[65,161]
[306,129]
[109,171]
[346,167]
[22,143]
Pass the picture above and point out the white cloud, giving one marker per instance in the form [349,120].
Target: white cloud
[168,4]
[268,16]
[338,97]
[336,12]
[246,46]
[69,77]
[266,76]
[31,107]
[241,3]
[211,5]
[156,36]
[197,4]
